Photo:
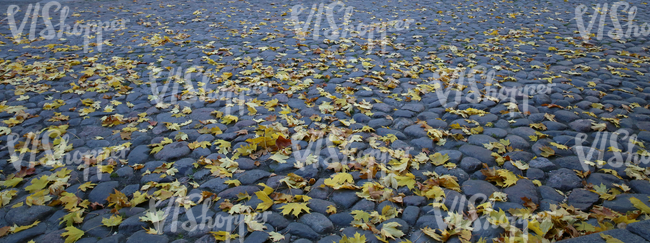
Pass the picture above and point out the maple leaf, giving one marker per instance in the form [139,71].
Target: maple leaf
[15,229]
[541,229]
[282,142]
[358,238]
[584,226]
[181,136]
[223,235]
[279,157]
[72,218]
[599,126]
[114,220]
[509,177]
[138,198]
[389,230]
[25,171]
[38,198]
[275,236]
[438,158]
[223,145]
[70,200]
[610,239]
[172,126]
[118,199]
[331,209]
[340,180]
[37,184]
[153,217]
[432,233]
[640,205]
[12,181]
[252,224]
[4,231]
[86,186]
[72,234]
[267,202]
[229,119]
[233,182]
[294,208]
[547,151]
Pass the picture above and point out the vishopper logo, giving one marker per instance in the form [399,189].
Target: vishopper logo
[57,152]
[346,29]
[174,219]
[490,91]
[609,142]
[183,89]
[617,32]
[49,33]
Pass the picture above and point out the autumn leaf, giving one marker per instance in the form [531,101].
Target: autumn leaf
[114,220]
[15,229]
[282,142]
[223,235]
[547,151]
[86,186]
[12,182]
[279,157]
[72,234]
[358,238]
[610,239]
[294,208]
[37,184]
[331,209]
[439,159]
[229,119]
[72,218]
[340,180]
[389,230]
[275,236]
[599,126]
[267,202]
[640,205]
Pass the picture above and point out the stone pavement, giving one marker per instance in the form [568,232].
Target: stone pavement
[420,121]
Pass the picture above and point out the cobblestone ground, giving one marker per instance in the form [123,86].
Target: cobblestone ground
[253,121]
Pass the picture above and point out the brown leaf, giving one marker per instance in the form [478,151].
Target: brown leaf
[4,230]
[25,171]
[282,142]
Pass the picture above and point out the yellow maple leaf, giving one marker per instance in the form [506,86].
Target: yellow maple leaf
[37,184]
[340,180]
[294,208]
[267,202]
[610,239]
[15,229]
[547,151]
[640,205]
[114,220]
[72,234]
